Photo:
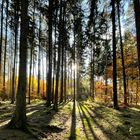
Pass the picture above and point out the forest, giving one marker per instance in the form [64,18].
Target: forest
[69,69]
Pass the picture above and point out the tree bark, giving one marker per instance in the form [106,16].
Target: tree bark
[122,54]
[54,53]
[1,35]
[39,47]
[115,98]
[49,86]
[62,60]
[16,19]
[5,49]
[30,72]
[137,22]
[58,61]
[19,117]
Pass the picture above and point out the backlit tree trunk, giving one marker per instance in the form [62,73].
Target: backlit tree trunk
[49,84]
[122,54]
[58,61]
[16,19]
[137,21]
[19,118]
[5,49]
[115,98]
[1,35]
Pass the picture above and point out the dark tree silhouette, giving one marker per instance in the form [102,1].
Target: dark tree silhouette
[115,99]
[19,117]
[137,21]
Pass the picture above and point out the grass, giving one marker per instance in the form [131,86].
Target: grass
[84,120]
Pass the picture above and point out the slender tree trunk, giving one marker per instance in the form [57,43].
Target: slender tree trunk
[62,70]
[29,92]
[127,83]
[92,84]
[57,79]
[10,66]
[1,36]
[19,118]
[65,75]
[65,52]
[122,54]
[63,59]
[59,54]
[54,54]
[137,91]
[43,74]
[71,77]
[74,63]
[106,82]
[16,16]
[137,21]
[74,98]
[91,74]
[49,86]
[115,98]
[31,57]
[132,92]
[38,89]
[33,64]
[68,77]
[5,49]
[92,18]
[53,79]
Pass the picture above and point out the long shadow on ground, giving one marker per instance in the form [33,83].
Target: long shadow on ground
[73,123]
[91,117]
[91,125]
[39,118]
[41,121]
[123,124]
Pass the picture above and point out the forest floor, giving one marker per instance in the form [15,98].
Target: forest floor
[83,120]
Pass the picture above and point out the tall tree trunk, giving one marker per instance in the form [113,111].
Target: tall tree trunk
[93,74]
[31,56]
[30,72]
[122,54]
[19,118]
[74,62]
[137,21]
[43,71]
[65,75]
[71,77]
[78,77]
[62,66]
[115,98]
[16,19]
[106,78]
[5,49]
[62,76]
[63,59]
[92,81]
[10,66]
[92,17]
[49,86]
[58,61]
[1,36]
[33,65]
[39,48]
[54,53]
